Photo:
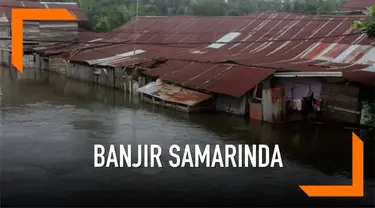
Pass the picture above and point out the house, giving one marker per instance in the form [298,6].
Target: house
[228,83]
[37,32]
[314,61]
[255,65]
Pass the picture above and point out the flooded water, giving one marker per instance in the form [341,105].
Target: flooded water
[49,125]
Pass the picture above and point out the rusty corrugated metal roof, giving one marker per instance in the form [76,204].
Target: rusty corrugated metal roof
[123,54]
[252,29]
[263,26]
[342,53]
[265,42]
[7,5]
[357,5]
[174,94]
[219,78]
[65,47]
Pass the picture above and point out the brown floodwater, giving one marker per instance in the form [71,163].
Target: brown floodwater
[49,125]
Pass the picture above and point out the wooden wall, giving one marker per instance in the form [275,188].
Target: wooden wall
[58,65]
[341,102]
[58,30]
[4,33]
[79,72]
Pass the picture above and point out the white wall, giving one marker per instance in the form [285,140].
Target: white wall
[297,88]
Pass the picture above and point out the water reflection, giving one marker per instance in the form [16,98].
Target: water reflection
[326,148]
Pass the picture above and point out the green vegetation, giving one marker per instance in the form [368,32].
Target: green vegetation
[369,113]
[105,15]
[367,27]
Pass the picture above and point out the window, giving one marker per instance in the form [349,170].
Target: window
[257,93]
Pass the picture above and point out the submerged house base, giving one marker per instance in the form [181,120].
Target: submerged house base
[30,60]
[5,57]
[317,98]
[279,99]
[232,105]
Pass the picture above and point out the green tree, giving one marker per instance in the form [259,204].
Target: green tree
[288,6]
[367,27]
[105,15]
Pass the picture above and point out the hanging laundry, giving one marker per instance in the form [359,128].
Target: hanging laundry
[317,104]
[297,105]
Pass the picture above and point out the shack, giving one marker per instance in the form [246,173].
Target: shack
[175,97]
[229,84]
[263,77]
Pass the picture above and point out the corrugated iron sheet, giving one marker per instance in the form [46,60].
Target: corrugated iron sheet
[109,54]
[342,53]
[258,27]
[60,48]
[355,5]
[219,78]
[368,58]
[174,94]
[273,105]
[352,54]
[266,44]
[115,58]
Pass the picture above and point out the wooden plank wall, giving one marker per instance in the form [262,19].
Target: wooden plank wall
[30,30]
[340,102]
[58,30]
[4,33]
[58,65]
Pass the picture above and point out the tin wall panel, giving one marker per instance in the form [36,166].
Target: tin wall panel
[273,105]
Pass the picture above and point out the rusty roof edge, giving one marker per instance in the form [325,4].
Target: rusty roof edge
[255,85]
[229,61]
[240,95]
[206,91]
[308,74]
